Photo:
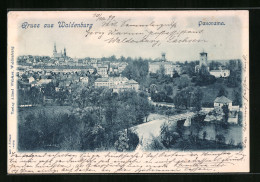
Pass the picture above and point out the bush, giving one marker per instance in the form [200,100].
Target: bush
[168,137]
[203,80]
[207,104]
[127,141]
[156,145]
[220,138]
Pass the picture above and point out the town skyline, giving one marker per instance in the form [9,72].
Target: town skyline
[60,49]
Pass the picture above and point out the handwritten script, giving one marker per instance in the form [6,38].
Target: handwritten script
[127,31]
[115,162]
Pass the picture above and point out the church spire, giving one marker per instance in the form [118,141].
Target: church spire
[55,50]
[64,53]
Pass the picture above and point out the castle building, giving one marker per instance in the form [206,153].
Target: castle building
[169,67]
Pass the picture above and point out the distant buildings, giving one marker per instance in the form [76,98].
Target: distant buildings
[64,69]
[117,67]
[41,82]
[118,84]
[221,72]
[102,71]
[84,80]
[169,67]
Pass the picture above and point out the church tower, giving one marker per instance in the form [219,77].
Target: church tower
[203,59]
[64,53]
[54,49]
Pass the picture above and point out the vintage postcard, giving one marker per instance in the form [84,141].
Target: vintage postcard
[128,92]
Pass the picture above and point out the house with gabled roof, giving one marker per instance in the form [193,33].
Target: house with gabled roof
[233,110]
[220,101]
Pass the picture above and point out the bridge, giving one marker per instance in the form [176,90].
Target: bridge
[149,130]
[189,115]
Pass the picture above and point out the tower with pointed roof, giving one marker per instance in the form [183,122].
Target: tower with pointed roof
[54,50]
[64,53]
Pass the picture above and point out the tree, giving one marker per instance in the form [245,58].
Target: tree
[153,88]
[168,137]
[189,68]
[49,89]
[189,97]
[35,96]
[203,77]
[237,100]
[182,98]
[136,70]
[226,112]
[197,123]
[93,137]
[175,74]
[169,112]
[204,135]
[214,65]
[28,135]
[234,79]
[156,144]
[127,141]
[61,96]
[197,97]
[180,127]
[168,89]
[183,82]
[222,92]
[143,107]
[158,97]
[125,116]
[220,138]
[112,58]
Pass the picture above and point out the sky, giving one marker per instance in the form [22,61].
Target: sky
[223,42]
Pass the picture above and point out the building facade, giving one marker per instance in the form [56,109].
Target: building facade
[220,73]
[102,71]
[118,84]
[221,101]
[168,66]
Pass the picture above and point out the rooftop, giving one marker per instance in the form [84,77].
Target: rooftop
[218,70]
[132,81]
[103,79]
[222,99]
